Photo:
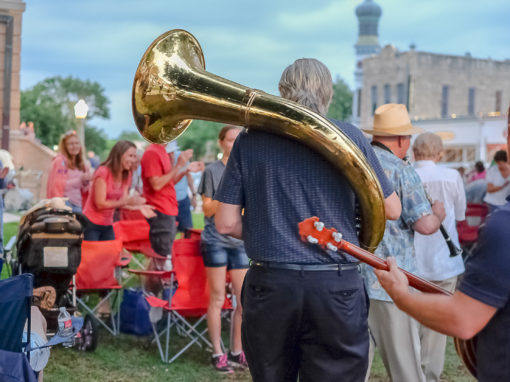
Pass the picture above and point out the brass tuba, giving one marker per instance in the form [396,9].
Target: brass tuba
[171,88]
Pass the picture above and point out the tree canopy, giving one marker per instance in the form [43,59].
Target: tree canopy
[50,105]
[341,104]
[201,136]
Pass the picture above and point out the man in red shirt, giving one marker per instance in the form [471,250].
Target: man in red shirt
[159,178]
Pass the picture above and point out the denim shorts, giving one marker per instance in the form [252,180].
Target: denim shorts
[216,256]
[96,232]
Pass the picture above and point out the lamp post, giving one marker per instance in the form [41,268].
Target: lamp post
[80,112]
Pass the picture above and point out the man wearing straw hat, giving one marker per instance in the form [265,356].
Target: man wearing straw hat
[395,333]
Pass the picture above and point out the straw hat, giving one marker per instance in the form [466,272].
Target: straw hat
[392,119]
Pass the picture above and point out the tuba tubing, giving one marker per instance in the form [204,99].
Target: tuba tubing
[171,88]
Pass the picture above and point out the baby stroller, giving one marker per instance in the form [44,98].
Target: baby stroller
[48,245]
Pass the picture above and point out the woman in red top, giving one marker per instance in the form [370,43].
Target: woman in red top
[69,174]
[110,187]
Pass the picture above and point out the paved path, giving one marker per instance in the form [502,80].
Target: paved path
[9,218]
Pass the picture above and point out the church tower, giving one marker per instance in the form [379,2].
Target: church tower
[368,14]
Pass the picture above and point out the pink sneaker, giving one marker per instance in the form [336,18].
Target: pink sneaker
[221,364]
[238,361]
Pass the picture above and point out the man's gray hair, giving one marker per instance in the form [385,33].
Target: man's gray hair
[308,82]
[427,146]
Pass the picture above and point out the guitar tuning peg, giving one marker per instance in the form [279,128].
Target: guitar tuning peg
[319,226]
[312,239]
[337,236]
[332,247]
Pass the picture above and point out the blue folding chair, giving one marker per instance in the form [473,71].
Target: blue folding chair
[15,300]
[15,305]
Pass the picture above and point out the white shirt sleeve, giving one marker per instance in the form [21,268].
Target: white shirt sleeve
[460,200]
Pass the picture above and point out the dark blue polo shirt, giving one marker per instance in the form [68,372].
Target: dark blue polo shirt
[280,182]
[487,279]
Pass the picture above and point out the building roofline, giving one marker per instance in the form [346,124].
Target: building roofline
[423,53]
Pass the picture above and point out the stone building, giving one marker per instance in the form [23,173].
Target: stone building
[461,97]
[434,86]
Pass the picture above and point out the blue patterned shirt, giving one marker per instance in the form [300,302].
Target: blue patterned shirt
[398,236]
[280,182]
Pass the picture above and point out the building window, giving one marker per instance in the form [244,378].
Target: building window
[387,93]
[401,94]
[471,101]
[498,102]
[374,99]
[458,154]
[444,101]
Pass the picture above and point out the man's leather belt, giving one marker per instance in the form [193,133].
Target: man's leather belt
[306,267]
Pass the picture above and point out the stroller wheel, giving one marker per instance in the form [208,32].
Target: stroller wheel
[88,335]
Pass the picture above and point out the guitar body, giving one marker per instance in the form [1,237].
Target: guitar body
[466,350]
[313,231]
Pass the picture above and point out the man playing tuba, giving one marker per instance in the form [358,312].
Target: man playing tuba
[305,310]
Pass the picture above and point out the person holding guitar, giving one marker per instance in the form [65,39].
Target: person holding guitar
[481,304]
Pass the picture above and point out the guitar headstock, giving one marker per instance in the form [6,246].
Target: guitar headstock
[312,230]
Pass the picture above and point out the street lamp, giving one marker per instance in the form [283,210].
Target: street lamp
[80,112]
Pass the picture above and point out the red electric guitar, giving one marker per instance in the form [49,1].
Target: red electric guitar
[313,231]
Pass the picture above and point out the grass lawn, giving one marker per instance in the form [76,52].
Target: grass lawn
[130,358]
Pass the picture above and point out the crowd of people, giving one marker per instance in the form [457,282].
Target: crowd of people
[304,312]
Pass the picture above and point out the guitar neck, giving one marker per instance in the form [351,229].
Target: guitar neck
[378,263]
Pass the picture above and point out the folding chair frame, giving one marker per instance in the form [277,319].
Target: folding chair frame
[174,319]
[182,326]
[115,321]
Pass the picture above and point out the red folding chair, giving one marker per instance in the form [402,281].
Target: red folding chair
[468,229]
[135,238]
[190,301]
[99,272]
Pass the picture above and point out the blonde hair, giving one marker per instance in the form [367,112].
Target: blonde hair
[308,82]
[427,145]
[72,162]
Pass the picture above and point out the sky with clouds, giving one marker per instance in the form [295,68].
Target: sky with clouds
[247,42]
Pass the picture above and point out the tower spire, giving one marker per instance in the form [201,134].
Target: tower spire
[368,14]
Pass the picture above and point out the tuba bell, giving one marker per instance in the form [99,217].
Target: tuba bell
[171,88]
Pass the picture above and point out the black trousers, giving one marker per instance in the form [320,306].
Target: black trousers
[162,233]
[307,324]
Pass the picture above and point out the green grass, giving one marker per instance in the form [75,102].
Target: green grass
[129,358]
[454,370]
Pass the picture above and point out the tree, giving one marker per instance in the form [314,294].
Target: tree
[50,105]
[341,104]
[130,135]
[197,136]
[97,141]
